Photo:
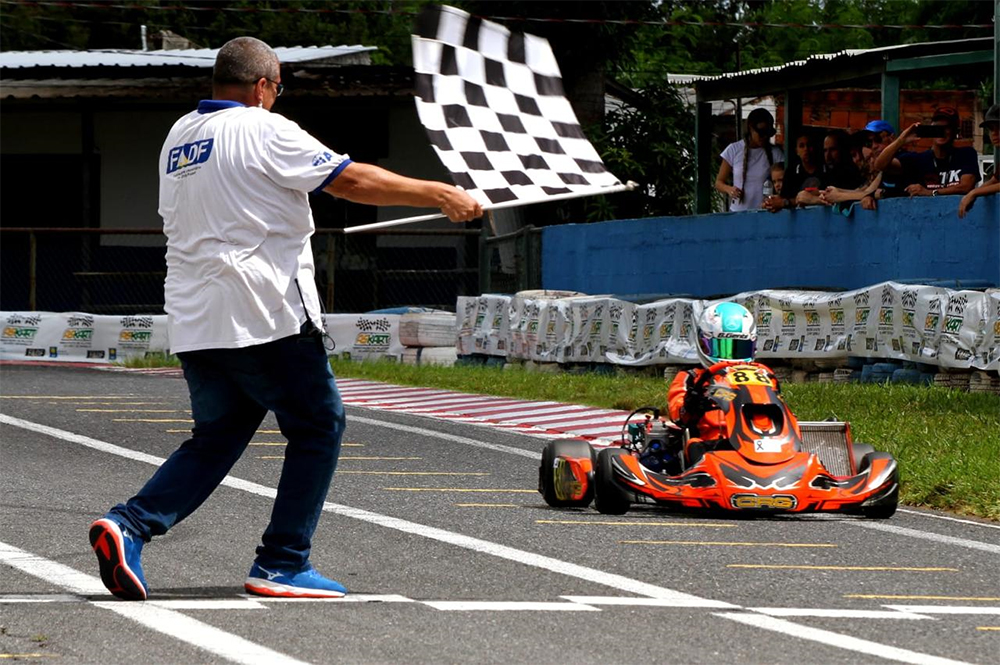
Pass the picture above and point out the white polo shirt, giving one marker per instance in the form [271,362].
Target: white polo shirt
[234,184]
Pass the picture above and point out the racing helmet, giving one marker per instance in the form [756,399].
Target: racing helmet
[726,331]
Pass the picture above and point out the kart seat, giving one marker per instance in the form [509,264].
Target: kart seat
[763,419]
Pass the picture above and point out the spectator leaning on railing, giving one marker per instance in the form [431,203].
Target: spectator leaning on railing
[804,165]
[838,170]
[862,155]
[942,169]
[748,162]
[991,123]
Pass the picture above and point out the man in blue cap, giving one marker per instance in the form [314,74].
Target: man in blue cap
[882,133]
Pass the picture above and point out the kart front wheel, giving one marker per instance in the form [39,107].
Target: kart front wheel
[564,448]
[884,506]
[858,452]
[609,497]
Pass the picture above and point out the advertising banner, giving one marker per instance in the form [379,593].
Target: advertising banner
[79,337]
[363,336]
[927,324]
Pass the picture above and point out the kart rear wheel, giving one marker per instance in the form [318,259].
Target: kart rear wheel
[887,504]
[609,497]
[575,448]
[858,452]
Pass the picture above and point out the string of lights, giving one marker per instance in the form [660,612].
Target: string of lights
[360,10]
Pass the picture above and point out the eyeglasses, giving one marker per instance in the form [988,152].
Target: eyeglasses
[278,87]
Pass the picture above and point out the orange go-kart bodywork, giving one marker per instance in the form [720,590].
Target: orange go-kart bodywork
[754,462]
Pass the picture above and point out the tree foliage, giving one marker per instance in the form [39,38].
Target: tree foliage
[649,141]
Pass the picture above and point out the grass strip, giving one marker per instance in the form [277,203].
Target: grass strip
[947,442]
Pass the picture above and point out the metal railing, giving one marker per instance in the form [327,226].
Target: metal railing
[113,271]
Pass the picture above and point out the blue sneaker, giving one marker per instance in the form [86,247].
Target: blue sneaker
[118,552]
[305,584]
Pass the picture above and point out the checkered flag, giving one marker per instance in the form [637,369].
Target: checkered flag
[493,106]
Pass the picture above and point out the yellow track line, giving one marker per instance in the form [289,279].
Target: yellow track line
[705,524]
[368,457]
[131,411]
[904,568]
[89,403]
[283,443]
[487,505]
[414,473]
[17,656]
[78,397]
[987,627]
[876,596]
[152,420]
[454,489]
[720,543]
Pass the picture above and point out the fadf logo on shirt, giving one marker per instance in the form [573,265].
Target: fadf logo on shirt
[189,154]
[322,158]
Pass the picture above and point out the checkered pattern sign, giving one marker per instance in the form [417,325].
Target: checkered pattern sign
[493,106]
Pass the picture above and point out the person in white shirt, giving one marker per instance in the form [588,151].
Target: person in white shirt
[747,163]
[244,317]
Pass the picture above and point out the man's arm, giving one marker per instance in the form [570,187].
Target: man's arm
[838,195]
[991,186]
[373,185]
[886,158]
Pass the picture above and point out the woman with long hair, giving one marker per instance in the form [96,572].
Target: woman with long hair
[747,163]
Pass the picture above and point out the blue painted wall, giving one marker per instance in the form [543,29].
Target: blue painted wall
[727,253]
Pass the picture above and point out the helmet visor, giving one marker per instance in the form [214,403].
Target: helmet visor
[728,348]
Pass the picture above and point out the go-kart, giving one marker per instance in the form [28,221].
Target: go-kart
[761,460]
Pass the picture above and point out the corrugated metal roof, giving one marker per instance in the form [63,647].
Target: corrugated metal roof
[204,57]
[910,50]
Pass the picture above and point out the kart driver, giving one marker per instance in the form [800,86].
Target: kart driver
[726,333]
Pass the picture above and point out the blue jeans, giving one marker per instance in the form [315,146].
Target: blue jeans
[231,392]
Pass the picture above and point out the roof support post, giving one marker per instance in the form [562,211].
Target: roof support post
[890,100]
[703,157]
[793,121]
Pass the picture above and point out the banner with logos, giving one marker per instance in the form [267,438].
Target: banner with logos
[933,325]
[363,336]
[79,337]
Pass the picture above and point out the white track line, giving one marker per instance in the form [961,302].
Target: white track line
[926,535]
[838,640]
[921,513]
[944,609]
[474,544]
[678,598]
[179,626]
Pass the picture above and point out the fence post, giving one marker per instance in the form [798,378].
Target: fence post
[485,254]
[32,272]
[522,259]
[331,266]
[534,259]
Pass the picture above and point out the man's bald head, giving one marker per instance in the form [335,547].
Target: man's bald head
[244,61]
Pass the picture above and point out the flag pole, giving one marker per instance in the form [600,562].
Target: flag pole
[627,187]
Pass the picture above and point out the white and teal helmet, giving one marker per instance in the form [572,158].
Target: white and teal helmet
[726,332]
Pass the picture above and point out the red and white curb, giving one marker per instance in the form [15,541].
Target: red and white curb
[545,420]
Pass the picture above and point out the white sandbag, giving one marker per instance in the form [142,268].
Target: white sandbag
[431,329]
[430,355]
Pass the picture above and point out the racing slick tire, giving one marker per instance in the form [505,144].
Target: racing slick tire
[546,472]
[858,452]
[609,497]
[885,506]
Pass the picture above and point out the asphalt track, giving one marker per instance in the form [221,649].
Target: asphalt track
[451,556]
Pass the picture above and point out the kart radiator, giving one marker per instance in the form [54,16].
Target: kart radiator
[829,441]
